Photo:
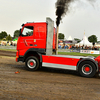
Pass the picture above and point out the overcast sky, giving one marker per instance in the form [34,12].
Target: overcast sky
[83,16]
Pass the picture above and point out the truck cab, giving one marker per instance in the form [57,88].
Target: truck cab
[33,38]
[33,35]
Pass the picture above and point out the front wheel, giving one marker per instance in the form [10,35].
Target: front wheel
[87,69]
[32,63]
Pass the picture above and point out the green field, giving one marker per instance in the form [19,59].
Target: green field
[77,54]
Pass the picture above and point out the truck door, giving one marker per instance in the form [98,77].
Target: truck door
[27,36]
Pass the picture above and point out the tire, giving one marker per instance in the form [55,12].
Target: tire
[32,63]
[87,69]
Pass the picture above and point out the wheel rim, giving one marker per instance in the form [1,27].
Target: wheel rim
[31,63]
[87,69]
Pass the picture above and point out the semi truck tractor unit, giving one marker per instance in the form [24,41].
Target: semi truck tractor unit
[36,46]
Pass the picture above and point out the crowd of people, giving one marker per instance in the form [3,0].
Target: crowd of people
[63,46]
[83,47]
[6,43]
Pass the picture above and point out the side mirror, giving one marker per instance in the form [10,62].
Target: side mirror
[20,33]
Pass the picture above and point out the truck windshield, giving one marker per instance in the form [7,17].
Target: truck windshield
[27,31]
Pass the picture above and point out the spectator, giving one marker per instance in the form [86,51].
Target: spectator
[65,47]
[59,46]
[83,46]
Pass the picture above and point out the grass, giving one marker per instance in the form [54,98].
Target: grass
[14,50]
[77,54]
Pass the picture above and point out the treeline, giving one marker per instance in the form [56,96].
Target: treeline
[7,37]
[4,36]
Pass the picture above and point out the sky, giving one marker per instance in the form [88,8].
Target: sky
[83,16]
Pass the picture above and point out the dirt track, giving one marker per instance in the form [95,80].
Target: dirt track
[45,84]
[7,53]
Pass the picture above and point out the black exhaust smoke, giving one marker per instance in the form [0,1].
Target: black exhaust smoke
[62,6]
[61,9]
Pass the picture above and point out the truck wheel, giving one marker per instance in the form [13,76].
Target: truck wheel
[32,63]
[87,69]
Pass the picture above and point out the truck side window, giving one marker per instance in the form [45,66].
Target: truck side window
[28,31]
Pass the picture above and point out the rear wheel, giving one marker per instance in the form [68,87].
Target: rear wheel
[87,69]
[32,63]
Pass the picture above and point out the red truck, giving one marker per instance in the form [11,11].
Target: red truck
[35,46]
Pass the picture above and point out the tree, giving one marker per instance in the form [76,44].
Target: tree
[61,36]
[3,34]
[76,39]
[8,38]
[16,33]
[92,39]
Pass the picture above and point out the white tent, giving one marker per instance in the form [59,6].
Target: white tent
[98,45]
[69,38]
[84,42]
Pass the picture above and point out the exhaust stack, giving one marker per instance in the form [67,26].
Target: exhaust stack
[50,28]
[57,40]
